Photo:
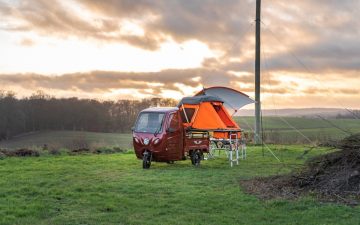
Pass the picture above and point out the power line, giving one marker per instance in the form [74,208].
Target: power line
[309,71]
[246,31]
[273,101]
[267,147]
[332,124]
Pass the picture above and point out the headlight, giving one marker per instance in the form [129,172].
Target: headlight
[136,140]
[146,141]
[157,140]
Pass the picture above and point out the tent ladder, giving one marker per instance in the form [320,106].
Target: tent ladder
[234,148]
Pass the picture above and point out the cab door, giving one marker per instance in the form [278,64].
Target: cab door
[174,137]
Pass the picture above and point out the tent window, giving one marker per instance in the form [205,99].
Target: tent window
[189,113]
[220,111]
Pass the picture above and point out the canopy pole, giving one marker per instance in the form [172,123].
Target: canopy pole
[257,75]
[185,113]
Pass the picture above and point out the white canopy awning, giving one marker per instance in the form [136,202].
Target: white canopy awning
[233,99]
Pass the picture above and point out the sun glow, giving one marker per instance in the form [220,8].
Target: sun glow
[58,56]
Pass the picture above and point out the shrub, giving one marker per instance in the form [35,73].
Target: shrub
[104,150]
[2,156]
[54,148]
[79,151]
[108,150]
[79,144]
[118,149]
[22,152]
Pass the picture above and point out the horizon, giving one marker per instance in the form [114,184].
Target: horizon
[134,50]
[244,109]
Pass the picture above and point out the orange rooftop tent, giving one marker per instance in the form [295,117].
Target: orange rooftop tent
[207,111]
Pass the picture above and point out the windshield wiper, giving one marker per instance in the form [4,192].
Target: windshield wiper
[158,130]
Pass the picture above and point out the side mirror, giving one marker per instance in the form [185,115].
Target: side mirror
[132,129]
[171,130]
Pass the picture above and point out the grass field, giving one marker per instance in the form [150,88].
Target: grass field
[281,130]
[276,131]
[113,189]
[65,138]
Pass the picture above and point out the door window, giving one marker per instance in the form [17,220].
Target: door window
[174,121]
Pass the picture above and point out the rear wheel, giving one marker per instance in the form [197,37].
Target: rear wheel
[146,160]
[196,158]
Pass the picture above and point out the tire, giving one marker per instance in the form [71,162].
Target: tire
[146,160]
[196,158]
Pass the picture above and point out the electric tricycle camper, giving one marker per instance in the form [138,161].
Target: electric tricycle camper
[163,134]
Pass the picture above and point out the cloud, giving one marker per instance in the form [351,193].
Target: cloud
[177,83]
[314,45]
[65,19]
[106,81]
[27,42]
[320,38]
[160,20]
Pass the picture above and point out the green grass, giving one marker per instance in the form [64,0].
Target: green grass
[113,189]
[65,138]
[276,131]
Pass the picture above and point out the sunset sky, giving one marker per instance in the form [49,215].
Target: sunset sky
[132,49]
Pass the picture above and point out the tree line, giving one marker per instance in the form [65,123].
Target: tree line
[41,111]
[352,114]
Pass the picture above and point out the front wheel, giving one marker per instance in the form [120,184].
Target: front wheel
[146,160]
[196,158]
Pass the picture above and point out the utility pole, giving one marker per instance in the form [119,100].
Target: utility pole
[257,137]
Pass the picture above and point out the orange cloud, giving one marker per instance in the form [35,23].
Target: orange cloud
[310,49]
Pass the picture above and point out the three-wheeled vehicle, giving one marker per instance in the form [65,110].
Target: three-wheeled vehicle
[159,136]
[168,134]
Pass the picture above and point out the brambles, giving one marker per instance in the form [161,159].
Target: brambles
[2,156]
[351,143]
[23,152]
[333,177]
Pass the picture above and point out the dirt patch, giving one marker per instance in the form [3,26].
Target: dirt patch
[100,150]
[79,151]
[23,152]
[108,150]
[331,177]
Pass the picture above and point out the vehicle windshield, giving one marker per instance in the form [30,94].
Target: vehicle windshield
[149,122]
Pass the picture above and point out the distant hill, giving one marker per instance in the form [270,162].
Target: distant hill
[276,130]
[304,112]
